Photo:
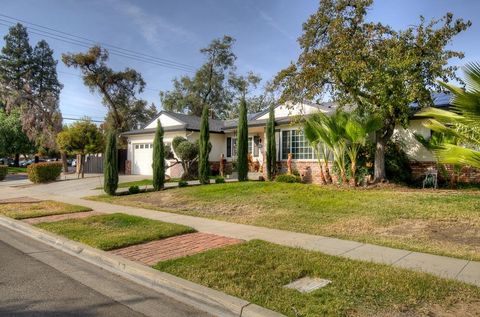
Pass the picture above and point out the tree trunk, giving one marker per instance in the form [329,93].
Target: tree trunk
[344,178]
[380,174]
[328,177]
[77,167]
[353,170]
[82,168]
[322,174]
[64,162]
[16,161]
[381,138]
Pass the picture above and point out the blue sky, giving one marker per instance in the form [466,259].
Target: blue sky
[266,33]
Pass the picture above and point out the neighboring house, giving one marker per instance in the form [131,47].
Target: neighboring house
[289,138]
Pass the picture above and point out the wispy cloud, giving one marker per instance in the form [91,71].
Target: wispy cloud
[153,28]
[276,26]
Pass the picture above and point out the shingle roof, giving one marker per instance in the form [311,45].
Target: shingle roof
[192,123]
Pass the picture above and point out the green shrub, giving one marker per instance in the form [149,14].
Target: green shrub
[44,172]
[182,183]
[397,163]
[286,178]
[3,172]
[133,190]
[219,180]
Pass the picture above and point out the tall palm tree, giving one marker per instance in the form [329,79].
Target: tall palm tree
[357,130]
[463,121]
[315,142]
[330,131]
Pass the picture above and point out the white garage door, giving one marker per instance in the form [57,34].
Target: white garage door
[142,158]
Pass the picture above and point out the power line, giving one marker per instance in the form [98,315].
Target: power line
[88,45]
[95,42]
[81,119]
[80,76]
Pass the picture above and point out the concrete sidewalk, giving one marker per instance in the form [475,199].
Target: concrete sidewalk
[458,269]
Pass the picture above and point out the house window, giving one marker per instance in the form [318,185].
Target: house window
[256,142]
[232,147]
[229,147]
[293,141]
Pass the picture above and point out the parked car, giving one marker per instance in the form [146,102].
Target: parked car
[74,163]
[7,161]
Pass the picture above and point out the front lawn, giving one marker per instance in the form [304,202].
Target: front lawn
[441,222]
[257,271]
[16,170]
[114,231]
[40,209]
[141,183]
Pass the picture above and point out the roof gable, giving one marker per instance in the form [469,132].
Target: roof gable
[166,120]
[289,109]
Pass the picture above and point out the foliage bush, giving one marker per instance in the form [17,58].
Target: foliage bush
[44,172]
[3,172]
[286,178]
[133,190]
[219,180]
[187,152]
[182,183]
[397,163]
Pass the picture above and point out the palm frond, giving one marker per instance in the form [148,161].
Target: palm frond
[454,154]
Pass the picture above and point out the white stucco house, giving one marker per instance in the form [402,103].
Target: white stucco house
[289,137]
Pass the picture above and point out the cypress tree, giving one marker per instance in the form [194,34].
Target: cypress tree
[242,143]
[158,158]
[110,165]
[204,148]
[271,145]
[16,58]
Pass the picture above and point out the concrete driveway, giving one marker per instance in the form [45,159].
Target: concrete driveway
[69,185]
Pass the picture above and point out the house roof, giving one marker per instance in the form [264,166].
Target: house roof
[193,123]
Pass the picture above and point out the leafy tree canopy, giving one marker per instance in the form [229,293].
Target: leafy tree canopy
[28,81]
[82,137]
[12,138]
[370,65]
[119,89]
[215,84]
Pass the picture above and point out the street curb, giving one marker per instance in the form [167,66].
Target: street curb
[198,296]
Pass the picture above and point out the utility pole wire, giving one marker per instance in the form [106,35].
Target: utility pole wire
[101,43]
[87,45]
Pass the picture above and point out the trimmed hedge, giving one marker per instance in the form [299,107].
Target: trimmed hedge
[286,178]
[133,190]
[182,183]
[44,172]
[219,180]
[3,172]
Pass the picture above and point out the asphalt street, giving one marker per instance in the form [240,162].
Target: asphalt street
[36,280]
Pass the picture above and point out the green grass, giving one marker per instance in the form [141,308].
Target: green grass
[16,170]
[257,270]
[40,209]
[141,183]
[442,222]
[114,231]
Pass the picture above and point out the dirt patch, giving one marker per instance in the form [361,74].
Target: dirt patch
[451,231]
[459,309]
[172,200]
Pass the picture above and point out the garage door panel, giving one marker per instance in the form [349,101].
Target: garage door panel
[142,158]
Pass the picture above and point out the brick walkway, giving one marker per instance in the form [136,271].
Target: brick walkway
[19,200]
[152,252]
[52,218]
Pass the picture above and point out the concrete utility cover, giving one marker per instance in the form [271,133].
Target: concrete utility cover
[308,284]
